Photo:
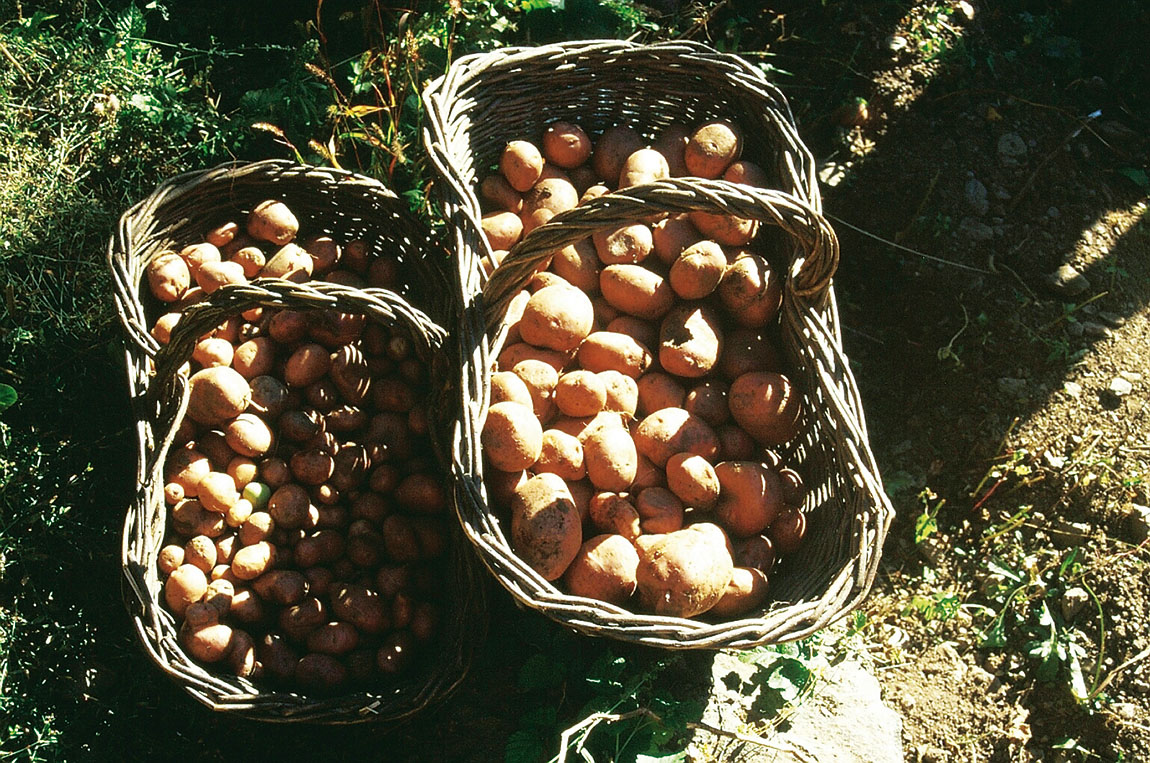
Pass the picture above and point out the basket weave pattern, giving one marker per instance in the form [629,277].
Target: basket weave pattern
[335,203]
[486,100]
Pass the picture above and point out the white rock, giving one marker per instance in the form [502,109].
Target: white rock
[1074,600]
[1120,387]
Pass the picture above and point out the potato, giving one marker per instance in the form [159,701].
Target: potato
[320,672]
[196,256]
[360,606]
[671,236]
[170,558]
[512,354]
[727,230]
[496,190]
[615,513]
[173,493]
[392,394]
[750,497]
[507,387]
[561,454]
[757,551]
[612,149]
[664,433]
[557,318]
[580,393]
[421,494]
[583,178]
[168,276]
[272,221]
[541,280]
[584,427]
[648,475]
[246,606]
[579,265]
[242,657]
[502,229]
[794,491]
[217,395]
[201,552]
[251,259]
[747,173]
[162,331]
[690,341]
[223,235]
[225,546]
[211,643]
[643,166]
[257,527]
[546,199]
[708,401]
[627,244]
[712,147]
[218,492]
[541,380]
[682,573]
[186,467]
[751,291]
[252,561]
[660,511]
[621,393]
[644,332]
[277,657]
[220,593]
[672,144]
[697,271]
[747,350]
[184,587]
[693,480]
[608,351]
[566,144]
[333,638]
[288,506]
[635,290]
[522,164]
[255,357]
[248,435]
[284,587]
[545,525]
[512,436]
[593,191]
[611,459]
[213,275]
[200,615]
[290,262]
[657,391]
[351,464]
[788,530]
[325,253]
[603,569]
[767,406]
[746,591]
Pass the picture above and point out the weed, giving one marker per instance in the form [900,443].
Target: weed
[926,524]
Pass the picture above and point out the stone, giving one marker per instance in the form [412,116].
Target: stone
[1053,213]
[1096,330]
[1130,376]
[1120,387]
[974,195]
[1053,461]
[895,43]
[1066,281]
[1011,149]
[1074,389]
[1073,601]
[975,230]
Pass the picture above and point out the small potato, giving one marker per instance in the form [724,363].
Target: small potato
[608,351]
[198,255]
[242,658]
[400,540]
[496,190]
[611,459]
[511,355]
[213,275]
[333,638]
[502,229]
[301,426]
[225,546]
[693,480]
[580,393]
[320,672]
[284,587]
[788,530]
[683,573]
[546,199]
[208,644]
[672,144]
[246,606]
[615,513]
[512,437]
[223,235]
[621,393]
[750,497]
[767,406]
[697,271]
[658,391]
[644,332]
[671,236]
[290,262]
[288,326]
[298,620]
[311,467]
[746,592]
[712,147]
[272,221]
[757,551]
[162,331]
[593,192]
[635,290]
[540,379]
[603,569]
[545,525]
[628,244]
[643,166]
[507,387]
[170,558]
[561,454]
[747,173]
[690,341]
[325,253]
[255,357]
[522,164]
[557,318]
[269,396]
[307,365]
[217,395]
[173,493]
[215,446]
[219,595]
[579,265]
[747,350]
[708,401]
[751,291]
[249,435]
[421,494]
[184,587]
[660,511]
[664,433]
[648,475]
[794,491]
[252,561]
[218,492]
[201,552]
[566,144]
[727,230]
[360,606]
[168,276]
[278,659]
[251,259]
[612,149]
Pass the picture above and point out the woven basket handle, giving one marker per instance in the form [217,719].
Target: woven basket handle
[816,253]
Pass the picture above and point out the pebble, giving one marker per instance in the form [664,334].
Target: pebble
[975,230]
[1053,461]
[1130,376]
[975,195]
[1074,600]
[1113,319]
[1120,387]
[1066,281]
[1075,329]
[1096,330]
[1072,388]
[896,43]
[1011,148]
[1127,710]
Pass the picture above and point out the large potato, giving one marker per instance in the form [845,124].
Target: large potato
[767,406]
[693,480]
[682,573]
[750,497]
[643,166]
[636,290]
[217,395]
[557,318]
[512,437]
[671,236]
[603,569]
[611,459]
[579,264]
[545,525]
[168,276]
[697,271]
[690,341]
[546,199]
[746,591]
[751,291]
[566,144]
[627,244]
[609,351]
[712,147]
[522,164]
[672,430]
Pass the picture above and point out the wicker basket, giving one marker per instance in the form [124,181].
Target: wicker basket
[848,512]
[339,204]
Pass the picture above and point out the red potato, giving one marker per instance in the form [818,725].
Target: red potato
[612,149]
[635,290]
[283,587]
[307,365]
[747,350]
[545,525]
[521,164]
[333,638]
[683,573]
[245,606]
[557,318]
[512,437]
[320,672]
[788,530]
[614,513]
[603,569]
[362,607]
[767,406]
[746,592]
[608,351]
[664,433]
[708,401]
[627,244]
[211,643]
[757,551]
[325,253]
[751,291]
[502,229]
[648,475]
[727,230]
[750,497]
[794,491]
[168,276]
[671,236]
[272,221]
[693,480]
[561,454]
[421,493]
[547,198]
[496,190]
[566,144]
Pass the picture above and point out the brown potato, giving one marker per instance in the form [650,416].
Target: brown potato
[767,406]
[648,475]
[168,276]
[512,436]
[747,173]
[580,393]
[757,551]
[794,491]
[664,433]
[421,493]
[545,525]
[627,244]
[746,592]
[246,606]
[608,351]
[502,229]
[603,569]
[644,332]
[513,354]
[284,587]
[643,166]
[255,357]
[708,401]
[269,396]
[360,606]
[290,262]
[593,191]
[173,493]
[223,235]
[671,236]
[252,561]
[217,395]
[611,459]
[788,530]
[751,291]
[396,653]
[211,643]
[522,164]
[747,350]
[257,527]
[621,393]
[579,265]
[162,331]
[635,290]
[242,657]
[170,558]
[320,672]
[612,149]
[400,539]
[657,391]
[272,221]
[277,657]
[220,593]
[547,198]
[311,467]
[507,387]
[184,587]
[201,552]
[334,329]
[660,511]
[682,573]
[213,275]
[690,341]
[712,147]
[325,253]
[289,505]
[672,144]
[693,480]
[566,144]
[496,190]
[727,230]
[750,497]
[698,270]
[251,259]
[198,255]
[540,379]
[557,318]
[561,454]
[583,178]
[218,492]
[614,513]
[186,467]
[307,365]
[333,638]
[248,435]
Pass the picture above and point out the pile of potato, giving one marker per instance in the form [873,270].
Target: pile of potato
[638,393]
[307,519]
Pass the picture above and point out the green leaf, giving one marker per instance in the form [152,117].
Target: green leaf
[924,527]
[7,397]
